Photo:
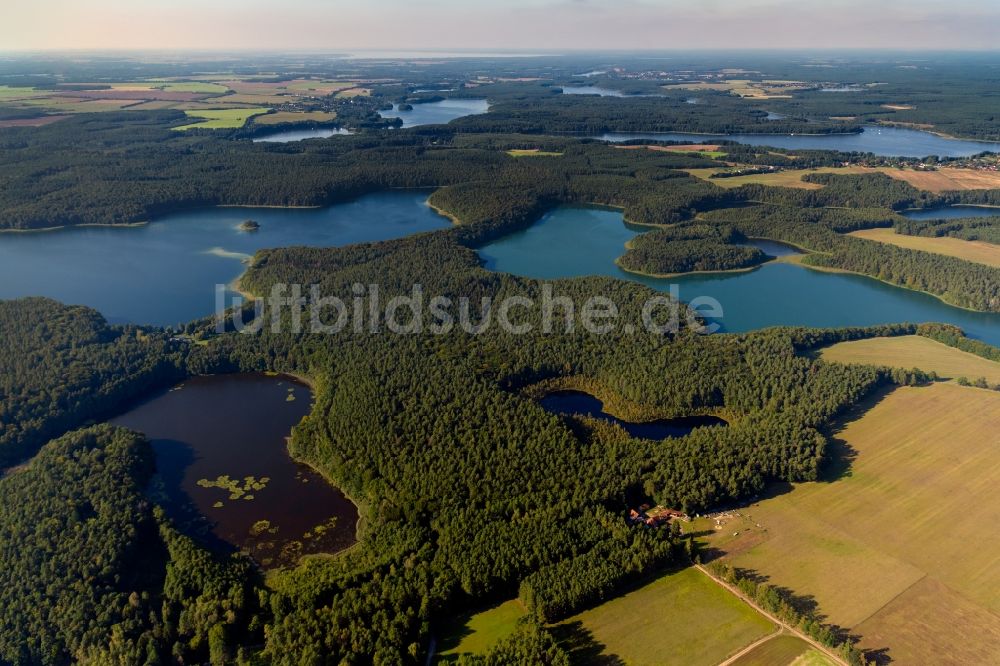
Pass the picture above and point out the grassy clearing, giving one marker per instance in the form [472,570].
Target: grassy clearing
[784,650]
[787,178]
[478,632]
[294,117]
[702,150]
[979,252]
[221,118]
[532,152]
[354,92]
[8,93]
[681,618]
[813,657]
[914,351]
[916,508]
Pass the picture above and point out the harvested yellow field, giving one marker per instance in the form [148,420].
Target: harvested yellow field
[945,179]
[280,117]
[942,180]
[902,548]
[979,252]
[914,351]
[932,619]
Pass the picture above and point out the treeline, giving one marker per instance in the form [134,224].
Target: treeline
[953,337]
[955,281]
[61,366]
[559,590]
[686,248]
[770,599]
[986,229]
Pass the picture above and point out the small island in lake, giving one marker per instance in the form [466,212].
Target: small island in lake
[249,225]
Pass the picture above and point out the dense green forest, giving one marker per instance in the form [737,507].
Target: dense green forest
[985,229]
[61,366]
[956,281]
[91,572]
[691,247]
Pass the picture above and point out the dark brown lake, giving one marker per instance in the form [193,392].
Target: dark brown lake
[577,402]
[225,475]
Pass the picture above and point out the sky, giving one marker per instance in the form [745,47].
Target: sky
[339,25]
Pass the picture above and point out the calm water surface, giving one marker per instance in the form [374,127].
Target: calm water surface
[952,212]
[234,426]
[573,242]
[437,113]
[884,141]
[592,90]
[165,272]
[300,134]
[578,402]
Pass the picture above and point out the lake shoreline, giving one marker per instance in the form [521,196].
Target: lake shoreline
[796,260]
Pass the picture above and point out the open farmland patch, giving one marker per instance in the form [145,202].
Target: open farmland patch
[478,632]
[918,492]
[281,117]
[914,351]
[683,618]
[221,118]
[979,252]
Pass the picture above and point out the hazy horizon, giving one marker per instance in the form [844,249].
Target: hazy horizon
[520,25]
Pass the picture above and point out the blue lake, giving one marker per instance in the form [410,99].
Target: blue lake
[952,212]
[300,134]
[165,273]
[573,242]
[437,113]
[883,141]
[592,90]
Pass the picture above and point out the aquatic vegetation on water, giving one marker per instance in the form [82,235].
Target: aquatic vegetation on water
[237,489]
